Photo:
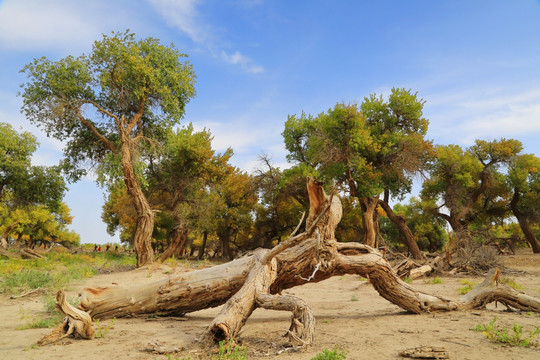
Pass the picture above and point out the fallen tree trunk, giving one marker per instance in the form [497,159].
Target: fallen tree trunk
[257,280]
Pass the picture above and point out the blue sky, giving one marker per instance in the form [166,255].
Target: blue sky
[475,63]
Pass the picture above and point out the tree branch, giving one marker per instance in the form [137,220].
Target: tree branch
[137,117]
[90,126]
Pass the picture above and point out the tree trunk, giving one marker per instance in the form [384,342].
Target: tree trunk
[6,233]
[224,238]
[203,245]
[527,231]
[144,226]
[524,223]
[404,229]
[454,222]
[257,280]
[179,239]
[369,206]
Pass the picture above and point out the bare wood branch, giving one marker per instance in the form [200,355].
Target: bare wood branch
[290,242]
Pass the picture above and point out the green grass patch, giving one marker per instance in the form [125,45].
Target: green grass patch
[354,298]
[511,337]
[230,351]
[435,280]
[468,286]
[408,279]
[49,318]
[57,270]
[334,354]
[512,283]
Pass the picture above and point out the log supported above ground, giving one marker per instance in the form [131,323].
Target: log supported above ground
[257,280]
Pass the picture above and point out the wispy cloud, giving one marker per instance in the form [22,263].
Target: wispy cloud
[244,62]
[463,116]
[63,25]
[183,15]
[33,24]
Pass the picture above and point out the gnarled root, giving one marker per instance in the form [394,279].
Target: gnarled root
[255,293]
[302,321]
[77,323]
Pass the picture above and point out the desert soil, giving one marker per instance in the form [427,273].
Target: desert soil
[349,313]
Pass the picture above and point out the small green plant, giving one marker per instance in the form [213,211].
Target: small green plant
[354,298]
[335,354]
[513,337]
[486,328]
[435,280]
[230,351]
[408,279]
[469,285]
[512,282]
[32,347]
[103,331]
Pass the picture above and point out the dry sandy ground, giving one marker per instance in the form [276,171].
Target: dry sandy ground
[349,313]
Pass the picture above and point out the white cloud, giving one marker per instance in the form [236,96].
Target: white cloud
[244,62]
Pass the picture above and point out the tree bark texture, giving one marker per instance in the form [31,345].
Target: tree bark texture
[144,225]
[256,280]
[369,207]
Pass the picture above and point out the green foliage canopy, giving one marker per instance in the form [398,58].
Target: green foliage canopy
[125,89]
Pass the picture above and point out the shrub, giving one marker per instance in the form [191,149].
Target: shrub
[335,354]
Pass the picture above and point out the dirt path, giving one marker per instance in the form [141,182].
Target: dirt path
[348,310]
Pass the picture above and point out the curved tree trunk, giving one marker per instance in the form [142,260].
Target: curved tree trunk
[527,231]
[524,223]
[404,229]
[257,280]
[144,226]
[454,222]
[179,239]
[6,232]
